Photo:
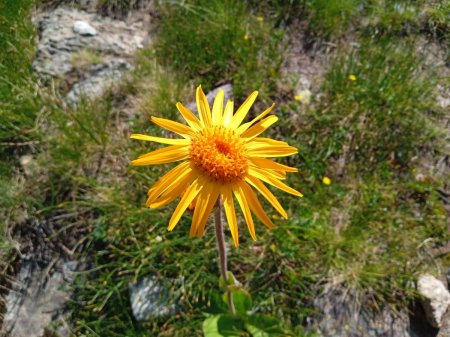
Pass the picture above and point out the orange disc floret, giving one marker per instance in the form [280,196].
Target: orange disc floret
[219,154]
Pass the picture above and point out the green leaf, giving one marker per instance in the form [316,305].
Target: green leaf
[223,284]
[242,300]
[223,325]
[219,304]
[231,279]
[263,326]
[230,282]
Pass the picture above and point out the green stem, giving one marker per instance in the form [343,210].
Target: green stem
[223,252]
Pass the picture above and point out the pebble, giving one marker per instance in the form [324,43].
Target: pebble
[84,28]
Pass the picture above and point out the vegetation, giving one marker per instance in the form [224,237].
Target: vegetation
[375,122]
[19,104]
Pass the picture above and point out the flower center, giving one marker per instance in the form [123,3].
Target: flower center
[220,154]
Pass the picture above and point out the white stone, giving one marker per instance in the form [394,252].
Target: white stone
[84,28]
[304,96]
[150,299]
[435,298]
[25,160]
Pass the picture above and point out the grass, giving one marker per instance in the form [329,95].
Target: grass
[234,45]
[337,233]
[378,99]
[371,230]
[331,18]
[19,103]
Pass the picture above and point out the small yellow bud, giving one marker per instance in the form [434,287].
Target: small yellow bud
[259,19]
[298,98]
[352,77]
[326,180]
[246,37]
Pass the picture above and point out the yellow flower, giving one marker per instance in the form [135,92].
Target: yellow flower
[259,19]
[298,98]
[246,37]
[326,180]
[352,77]
[221,157]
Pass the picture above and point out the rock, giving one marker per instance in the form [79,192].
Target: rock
[99,78]
[25,160]
[346,313]
[65,36]
[435,298]
[228,93]
[37,299]
[303,96]
[448,277]
[444,331]
[84,28]
[150,299]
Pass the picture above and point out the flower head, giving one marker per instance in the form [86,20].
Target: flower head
[326,181]
[221,158]
[352,77]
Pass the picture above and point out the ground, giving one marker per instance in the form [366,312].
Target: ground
[362,89]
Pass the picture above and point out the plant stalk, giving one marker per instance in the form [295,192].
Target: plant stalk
[223,252]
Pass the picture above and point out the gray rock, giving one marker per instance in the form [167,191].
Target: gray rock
[37,299]
[98,79]
[228,93]
[346,313]
[448,277]
[435,298]
[84,28]
[444,331]
[66,36]
[150,299]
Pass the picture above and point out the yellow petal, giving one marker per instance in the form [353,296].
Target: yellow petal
[255,205]
[187,198]
[270,164]
[162,182]
[168,154]
[176,127]
[240,197]
[256,183]
[209,195]
[243,110]
[266,147]
[261,174]
[274,152]
[230,213]
[189,117]
[276,174]
[228,113]
[203,107]
[261,142]
[259,127]
[218,108]
[161,140]
[200,203]
[245,126]
[172,190]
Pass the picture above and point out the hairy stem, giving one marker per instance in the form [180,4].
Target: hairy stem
[222,252]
